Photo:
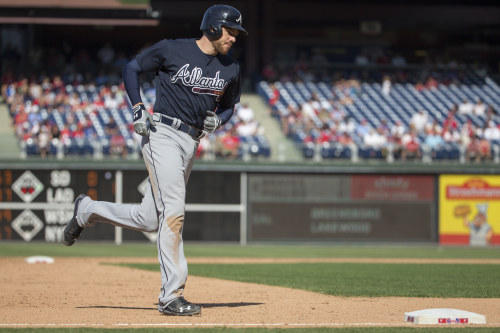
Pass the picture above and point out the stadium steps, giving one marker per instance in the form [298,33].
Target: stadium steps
[282,149]
[9,147]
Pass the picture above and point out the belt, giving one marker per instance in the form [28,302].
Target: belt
[179,125]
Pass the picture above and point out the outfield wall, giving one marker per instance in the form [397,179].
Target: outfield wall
[246,203]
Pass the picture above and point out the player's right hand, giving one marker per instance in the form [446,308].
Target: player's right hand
[142,120]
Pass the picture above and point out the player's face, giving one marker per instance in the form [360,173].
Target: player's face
[228,38]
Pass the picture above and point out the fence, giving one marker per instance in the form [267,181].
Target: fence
[238,202]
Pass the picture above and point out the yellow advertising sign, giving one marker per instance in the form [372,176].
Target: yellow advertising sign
[469,210]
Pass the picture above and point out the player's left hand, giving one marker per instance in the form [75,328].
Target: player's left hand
[212,122]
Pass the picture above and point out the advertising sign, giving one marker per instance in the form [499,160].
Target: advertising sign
[37,204]
[342,208]
[469,210]
[341,222]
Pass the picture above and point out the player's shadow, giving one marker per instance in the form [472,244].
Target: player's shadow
[204,305]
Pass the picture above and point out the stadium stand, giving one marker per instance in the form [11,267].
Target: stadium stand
[52,118]
[359,119]
[362,111]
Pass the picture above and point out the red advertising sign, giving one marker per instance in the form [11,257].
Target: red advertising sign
[392,187]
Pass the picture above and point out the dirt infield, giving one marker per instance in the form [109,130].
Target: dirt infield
[84,293]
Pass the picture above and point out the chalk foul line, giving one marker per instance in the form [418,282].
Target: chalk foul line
[220,324]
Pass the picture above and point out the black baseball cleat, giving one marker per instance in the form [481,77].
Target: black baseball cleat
[181,307]
[73,230]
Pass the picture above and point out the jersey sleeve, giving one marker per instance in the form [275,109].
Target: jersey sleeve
[153,58]
[130,74]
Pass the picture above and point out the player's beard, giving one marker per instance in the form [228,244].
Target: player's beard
[222,47]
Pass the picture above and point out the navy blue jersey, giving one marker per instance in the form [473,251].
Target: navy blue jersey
[189,82]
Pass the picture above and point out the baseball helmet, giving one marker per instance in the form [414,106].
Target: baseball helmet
[221,15]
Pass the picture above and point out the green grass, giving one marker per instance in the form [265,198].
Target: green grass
[338,251]
[364,280]
[263,330]
[88,249]
[77,250]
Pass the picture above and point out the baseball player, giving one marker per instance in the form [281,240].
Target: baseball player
[197,88]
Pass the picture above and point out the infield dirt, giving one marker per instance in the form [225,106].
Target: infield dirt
[81,292]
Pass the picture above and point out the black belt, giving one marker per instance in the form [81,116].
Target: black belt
[194,132]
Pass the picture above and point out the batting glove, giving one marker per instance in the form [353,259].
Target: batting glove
[142,120]
[212,122]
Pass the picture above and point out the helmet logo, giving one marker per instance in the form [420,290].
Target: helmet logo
[239,20]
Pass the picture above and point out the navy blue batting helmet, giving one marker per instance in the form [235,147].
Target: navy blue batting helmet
[221,15]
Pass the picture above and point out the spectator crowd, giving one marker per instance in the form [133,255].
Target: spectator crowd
[330,117]
[51,114]
[87,103]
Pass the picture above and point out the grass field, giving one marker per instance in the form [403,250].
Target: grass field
[353,279]
[86,249]
[339,279]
